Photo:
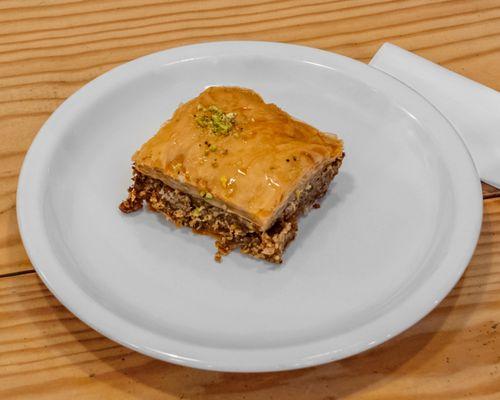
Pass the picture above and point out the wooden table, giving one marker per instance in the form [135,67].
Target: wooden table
[48,49]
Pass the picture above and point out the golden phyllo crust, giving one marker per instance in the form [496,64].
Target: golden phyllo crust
[236,152]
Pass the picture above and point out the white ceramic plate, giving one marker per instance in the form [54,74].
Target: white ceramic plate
[390,240]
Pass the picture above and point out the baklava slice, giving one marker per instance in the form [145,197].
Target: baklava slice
[230,165]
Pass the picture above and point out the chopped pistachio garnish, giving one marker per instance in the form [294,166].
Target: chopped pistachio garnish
[213,147]
[203,120]
[223,181]
[215,120]
[177,166]
[206,195]
[197,211]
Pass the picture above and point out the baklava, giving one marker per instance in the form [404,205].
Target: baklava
[230,165]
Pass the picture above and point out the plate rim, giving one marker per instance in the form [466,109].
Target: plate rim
[29,224]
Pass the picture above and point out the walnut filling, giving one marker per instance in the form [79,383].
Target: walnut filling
[230,230]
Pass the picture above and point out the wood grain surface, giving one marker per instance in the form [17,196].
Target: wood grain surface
[453,353]
[49,49]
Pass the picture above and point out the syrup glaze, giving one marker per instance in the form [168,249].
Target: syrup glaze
[237,152]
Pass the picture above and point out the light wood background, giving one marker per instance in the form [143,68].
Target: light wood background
[48,49]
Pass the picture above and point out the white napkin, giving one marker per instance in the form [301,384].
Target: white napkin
[473,109]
